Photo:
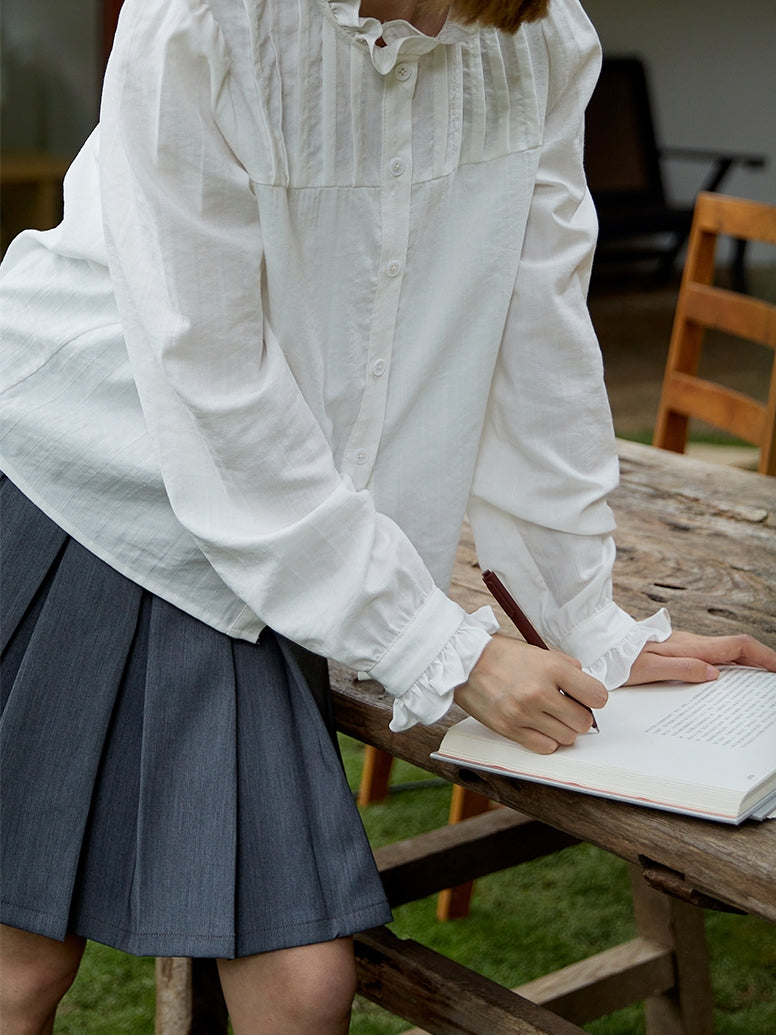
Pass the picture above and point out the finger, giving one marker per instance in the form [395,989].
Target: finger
[534,740]
[541,712]
[568,658]
[581,687]
[564,718]
[542,733]
[739,649]
[759,655]
[563,731]
[656,668]
[564,699]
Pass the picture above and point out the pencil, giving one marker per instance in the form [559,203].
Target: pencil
[521,621]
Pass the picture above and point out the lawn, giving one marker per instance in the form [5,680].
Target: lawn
[522,923]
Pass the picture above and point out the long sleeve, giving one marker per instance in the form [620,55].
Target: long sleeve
[289,320]
[547,456]
[247,468]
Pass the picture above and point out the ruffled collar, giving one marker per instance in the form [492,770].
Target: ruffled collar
[402,40]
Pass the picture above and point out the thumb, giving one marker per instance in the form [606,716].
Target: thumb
[657,668]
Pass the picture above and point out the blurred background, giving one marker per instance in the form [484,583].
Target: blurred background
[710,65]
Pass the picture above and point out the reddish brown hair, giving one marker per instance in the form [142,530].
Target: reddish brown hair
[507,15]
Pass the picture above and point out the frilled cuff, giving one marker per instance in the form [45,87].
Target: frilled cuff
[613,666]
[431,694]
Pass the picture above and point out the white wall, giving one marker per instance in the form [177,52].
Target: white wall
[712,70]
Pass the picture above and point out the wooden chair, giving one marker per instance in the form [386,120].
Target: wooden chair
[702,306]
[639,227]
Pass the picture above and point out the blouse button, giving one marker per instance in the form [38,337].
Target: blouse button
[402,72]
[397,166]
[393,269]
[361,456]
[378,367]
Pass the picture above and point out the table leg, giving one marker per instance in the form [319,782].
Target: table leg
[173,995]
[189,1000]
[375,775]
[687,1008]
[453,903]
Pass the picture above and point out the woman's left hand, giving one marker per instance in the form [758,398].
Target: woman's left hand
[692,659]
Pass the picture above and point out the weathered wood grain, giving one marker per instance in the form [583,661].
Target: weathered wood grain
[697,538]
[736,865]
[607,981]
[443,996]
[495,840]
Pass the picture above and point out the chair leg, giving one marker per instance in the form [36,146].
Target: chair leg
[189,1000]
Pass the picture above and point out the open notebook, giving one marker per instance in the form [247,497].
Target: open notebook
[704,749]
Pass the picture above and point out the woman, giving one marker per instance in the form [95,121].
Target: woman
[319,289]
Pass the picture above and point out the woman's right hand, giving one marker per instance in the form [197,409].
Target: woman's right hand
[530,695]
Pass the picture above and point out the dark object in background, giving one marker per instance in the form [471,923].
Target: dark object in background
[639,229]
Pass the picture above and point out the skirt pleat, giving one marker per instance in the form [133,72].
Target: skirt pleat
[166,790]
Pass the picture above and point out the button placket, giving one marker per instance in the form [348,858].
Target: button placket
[395,209]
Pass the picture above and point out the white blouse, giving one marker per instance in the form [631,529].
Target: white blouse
[314,299]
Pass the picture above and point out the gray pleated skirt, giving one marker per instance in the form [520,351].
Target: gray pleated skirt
[166,790]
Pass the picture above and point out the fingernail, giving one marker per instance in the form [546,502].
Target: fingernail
[711,673]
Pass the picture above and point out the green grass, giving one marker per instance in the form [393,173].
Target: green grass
[710,437]
[112,995]
[522,923]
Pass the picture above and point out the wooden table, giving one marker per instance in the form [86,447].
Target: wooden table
[701,540]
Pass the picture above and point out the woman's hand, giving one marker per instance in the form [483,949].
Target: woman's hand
[693,658]
[515,689]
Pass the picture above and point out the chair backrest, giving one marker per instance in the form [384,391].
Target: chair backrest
[622,159]
[702,306]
